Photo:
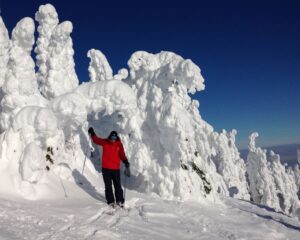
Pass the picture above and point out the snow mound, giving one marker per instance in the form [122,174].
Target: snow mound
[37,142]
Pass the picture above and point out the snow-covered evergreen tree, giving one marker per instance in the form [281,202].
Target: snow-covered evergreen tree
[99,68]
[61,77]
[296,173]
[48,19]
[286,188]
[229,164]
[55,53]
[175,141]
[4,48]
[261,182]
[20,87]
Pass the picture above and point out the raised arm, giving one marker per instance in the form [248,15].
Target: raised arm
[96,140]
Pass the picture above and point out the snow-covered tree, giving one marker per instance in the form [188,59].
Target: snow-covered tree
[286,187]
[55,53]
[270,182]
[61,77]
[175,141]
[4,48]
[261,182]
[296,173]
[229,164]
[20,87]
[48,19]
[99,68]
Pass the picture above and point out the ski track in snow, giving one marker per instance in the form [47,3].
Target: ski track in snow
[149,218]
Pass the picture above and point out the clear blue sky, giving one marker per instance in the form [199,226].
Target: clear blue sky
[249,52]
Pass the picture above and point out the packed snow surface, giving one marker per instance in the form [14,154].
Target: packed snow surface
[146,217]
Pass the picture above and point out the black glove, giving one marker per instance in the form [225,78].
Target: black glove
[91,131]
[127,165]
[127,172]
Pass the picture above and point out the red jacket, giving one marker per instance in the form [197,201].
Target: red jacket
[112,152]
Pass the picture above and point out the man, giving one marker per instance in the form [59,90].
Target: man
[112,155]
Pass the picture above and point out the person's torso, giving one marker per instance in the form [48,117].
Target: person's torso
[111,155]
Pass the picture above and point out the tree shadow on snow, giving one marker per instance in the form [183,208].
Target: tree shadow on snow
[279,221]
[268,217]
[270,209]
[86,186]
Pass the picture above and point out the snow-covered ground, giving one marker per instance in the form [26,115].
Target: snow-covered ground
[79,211]
[146,216]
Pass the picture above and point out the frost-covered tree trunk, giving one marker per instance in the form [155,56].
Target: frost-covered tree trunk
[4,48]
[20,87]
[261,182]
[229,164]
[56,75]
[286,188]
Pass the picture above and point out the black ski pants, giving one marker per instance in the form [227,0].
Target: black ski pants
[110,177]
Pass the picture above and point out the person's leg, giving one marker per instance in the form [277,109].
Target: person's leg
[107,178]
[117,185]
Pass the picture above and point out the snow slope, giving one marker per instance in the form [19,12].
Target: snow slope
[147,217]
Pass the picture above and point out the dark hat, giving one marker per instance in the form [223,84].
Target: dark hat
[113,135]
